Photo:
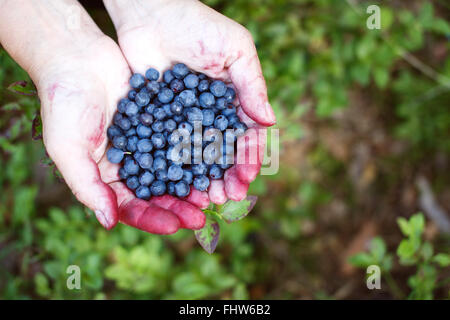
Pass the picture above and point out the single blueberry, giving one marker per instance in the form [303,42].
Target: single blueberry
[201,183]
[142,99]
[232,119]
[221,122]
[131,109]
[230,94]
[158,140]
[130,132]
[158,188]
[124,123]
[175,172]
[215,172]
[187,98]
[131,167]
[161,175]
[170,125]
[177,85]
[182,189]
[132,143]
[134,120]
[113,131]
[206,100]
[121,105]
[186,126]
[114,155]
[150,108]
[152,87]
[146,178]
[221,103]
[188,176]
[132,95]
[120,142]
[159,113]
[239,128]
[159,153]
[180,70]
[158,126]
[229,110]
[145,160]
[171,188]
[218,88]
[152,74]
[178,118]
[146,119]
[199,169]
[191,81]
[203,85]
[202,76]
[143,192]
[168,76]
[167,110]
[123,174]
[208,117]
[194,114]
[165,95]
[132,182]
[143,131]
[176,107]
[137,81]
[144,145]
[159,163]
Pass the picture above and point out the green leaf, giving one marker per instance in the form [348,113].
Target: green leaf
[361,260]
[378,248]
[417,223]
[20,87]
[208,236]
[442,259]
[404,226]
[236,210]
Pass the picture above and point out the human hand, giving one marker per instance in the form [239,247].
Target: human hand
[159,33]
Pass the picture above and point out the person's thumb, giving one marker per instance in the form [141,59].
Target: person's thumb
[82,175]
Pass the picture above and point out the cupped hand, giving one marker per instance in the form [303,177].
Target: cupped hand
[79,91]
[160,33]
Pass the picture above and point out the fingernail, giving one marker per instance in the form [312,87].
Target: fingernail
[270,115]
[102,219]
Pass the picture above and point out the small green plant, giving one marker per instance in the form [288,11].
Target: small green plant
[412,251]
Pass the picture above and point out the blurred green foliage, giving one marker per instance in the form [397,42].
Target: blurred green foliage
[313,54]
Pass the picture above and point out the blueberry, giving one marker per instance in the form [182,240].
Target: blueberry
[131,167]
[158,188]
[170,125]
[232,119]
[188,176]
[202,76]
[230,94]
[150,108]
[152,74]
[162,175]
[194,114]
[203,85]
[136,154]
[208,117]
[168,76]
[145,160]
[144,145]
[180,70]
[146,178]
[239,128]
[182,189]
[158,126]
[171,188]
[159,163]
[120,142]
[132,94]
[218,88]
[176,107]
[146,119]
[178,118]
[114,155]
[134,120]
[221,103]
[185,126]
[158,140]
[175,172]
[143,131]
[221,122]
[201,183]
[187,98]
[199,169]
[176,85]
[143,192]
[121,105]
[206,100]
[130,132]
[123,123]
[123,174]
[131,109]
[113,131]
[132,143]
[132,182]
[159,153]
[152,87]
[229,110]
[142,99]
[165,95]
[215,172]
[191,81]
[167,110]
[137,81]
[159,113]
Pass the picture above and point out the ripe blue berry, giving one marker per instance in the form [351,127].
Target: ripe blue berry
[144,145]
[158,126]
[159,113]
[168,76]
[158,140]
[221,103]
[113,131]
[182,189]
[130,132]
[176,85]
[201,183]
[145,160]
[143,131]
[186,126]
[142,99]
[176,107]
[218,88]
[208,117]
[152,87]
[194,114]
[121,105]
[180,70]
[132,182]
[158,188]
[137,81]
[114,155]
[187,98]
[146,178]
[188,176]
[159,163]
[165,95]
[143,192]
[152,74]
[230,94]
[175,172]
[132,95]
[120,142]
[191,81]
[215,172]
[131,109]
[131,166]
[199,169]
[170,125]
[221,122]
[146,119]
[132,143]
[229,110]
[123,174]
[162,175]
[203,85]
[239,128]
[206,100]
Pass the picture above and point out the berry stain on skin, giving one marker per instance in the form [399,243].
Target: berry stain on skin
[98,136]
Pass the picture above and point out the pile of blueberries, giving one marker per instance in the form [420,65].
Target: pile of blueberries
[149,131]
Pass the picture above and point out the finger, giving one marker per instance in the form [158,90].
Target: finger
[108,171]
[216,192]
[246,75]
[235,189]
[148,217]
[198,198]
[250,153]
[190,216]
[82,175]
